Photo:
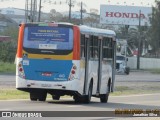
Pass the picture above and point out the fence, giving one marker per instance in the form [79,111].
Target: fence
[145,63]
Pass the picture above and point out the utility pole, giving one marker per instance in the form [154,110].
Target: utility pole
[34,10]
[31,10]
[158,42]
[70,6]
[39,14]
[81,13]
[139,42]
[26,11]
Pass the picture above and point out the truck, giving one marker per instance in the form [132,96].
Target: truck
[121,64]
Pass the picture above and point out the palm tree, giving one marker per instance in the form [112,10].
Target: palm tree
[154,31]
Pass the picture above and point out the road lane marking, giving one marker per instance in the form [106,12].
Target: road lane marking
[5,109]
[136,95]
[71,106]
[14,100]
[144,102]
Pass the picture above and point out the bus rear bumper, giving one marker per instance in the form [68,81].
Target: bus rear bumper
[27,85]
[51,91]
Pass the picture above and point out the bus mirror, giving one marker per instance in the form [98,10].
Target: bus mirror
[126,59]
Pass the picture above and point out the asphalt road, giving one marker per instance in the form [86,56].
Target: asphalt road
[7,80]
[134,76]
[144,101]
[134,102]
[138,76]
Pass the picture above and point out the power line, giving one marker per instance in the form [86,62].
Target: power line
[70,3]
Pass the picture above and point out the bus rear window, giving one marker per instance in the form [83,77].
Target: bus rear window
[48,38]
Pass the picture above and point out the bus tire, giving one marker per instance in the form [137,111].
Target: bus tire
[87,98]
[104,98]
[33,97]
[55,97]
[77,99]
[127,70]
[42,96]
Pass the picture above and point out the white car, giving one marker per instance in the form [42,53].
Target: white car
[121,64]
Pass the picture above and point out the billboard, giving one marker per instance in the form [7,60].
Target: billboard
[125,15]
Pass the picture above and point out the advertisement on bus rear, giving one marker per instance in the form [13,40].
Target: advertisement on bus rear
[52,38]
[125,15]
[48,33]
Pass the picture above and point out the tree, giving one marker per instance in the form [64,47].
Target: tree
[92,20]
[55,16]
[133,38]
[154,31]
[58,17]
[8,48]
[132,35]
[122,32]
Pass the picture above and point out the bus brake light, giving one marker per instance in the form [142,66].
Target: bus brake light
[73,72]
[21,71]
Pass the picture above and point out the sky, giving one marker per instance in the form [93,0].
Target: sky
[90,4]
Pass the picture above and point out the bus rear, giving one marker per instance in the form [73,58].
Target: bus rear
[47,60]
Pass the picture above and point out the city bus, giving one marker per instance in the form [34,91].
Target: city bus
[65,59]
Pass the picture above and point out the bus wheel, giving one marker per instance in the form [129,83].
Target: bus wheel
[55,97]
[87,98]
[77,99]
[104,98]
[127,70]
[33,97]
[42,96]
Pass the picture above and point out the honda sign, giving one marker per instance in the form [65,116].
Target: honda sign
[126,15]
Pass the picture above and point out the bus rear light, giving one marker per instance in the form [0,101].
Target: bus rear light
[21,71]
[71,77]
[74,67]
[73,72]
[20,65]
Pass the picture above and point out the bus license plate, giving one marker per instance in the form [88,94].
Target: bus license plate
[48,74]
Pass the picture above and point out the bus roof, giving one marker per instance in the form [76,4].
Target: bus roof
[96,31]
[83,29]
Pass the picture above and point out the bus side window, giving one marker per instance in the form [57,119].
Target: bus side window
[91,47]
[82,45]
[95,47]
[107,48]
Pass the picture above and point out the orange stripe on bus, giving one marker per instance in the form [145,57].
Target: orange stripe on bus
[76,47]
[20,41]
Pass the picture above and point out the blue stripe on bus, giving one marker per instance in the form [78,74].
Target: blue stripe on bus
[47,70]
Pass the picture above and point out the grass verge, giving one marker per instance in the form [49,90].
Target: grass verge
[11,93]
[124,90]
[7,67]
[6,94]
[154,71]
